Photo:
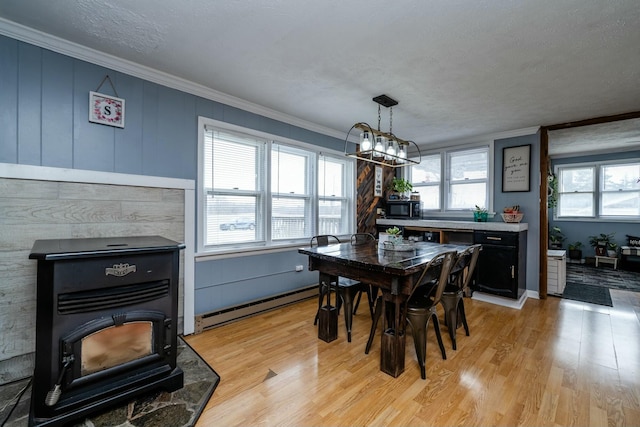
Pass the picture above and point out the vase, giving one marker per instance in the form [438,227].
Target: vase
[395,240]
[480,216]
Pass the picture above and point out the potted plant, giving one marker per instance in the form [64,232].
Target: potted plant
[480,214]
[575,251]
[556,237]
[601,243]
[395,235]
[612,249]
[402,187]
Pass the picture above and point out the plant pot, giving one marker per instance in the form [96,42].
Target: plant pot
[480,216]
[555,245]
[575,254]
[611,253]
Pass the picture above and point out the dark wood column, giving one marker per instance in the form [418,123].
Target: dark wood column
[367,204]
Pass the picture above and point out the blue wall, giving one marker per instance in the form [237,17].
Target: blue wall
[529,201]
[44,101]
[579,231]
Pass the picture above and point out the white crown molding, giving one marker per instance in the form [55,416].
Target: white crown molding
[38,38]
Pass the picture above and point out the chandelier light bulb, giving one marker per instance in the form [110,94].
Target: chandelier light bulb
[379,146]
[401,154]
[391,152]
[365,142]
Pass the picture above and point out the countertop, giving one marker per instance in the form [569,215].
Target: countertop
[455,225]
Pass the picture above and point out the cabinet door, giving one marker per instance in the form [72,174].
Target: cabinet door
[497,270]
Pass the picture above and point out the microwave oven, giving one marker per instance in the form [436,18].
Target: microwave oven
[403,209]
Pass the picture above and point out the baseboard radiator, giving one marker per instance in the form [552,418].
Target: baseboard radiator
[232,314]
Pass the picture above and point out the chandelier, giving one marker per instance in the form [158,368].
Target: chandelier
[382,148]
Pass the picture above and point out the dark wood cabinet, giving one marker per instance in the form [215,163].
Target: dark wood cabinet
[502,264]
[501,268]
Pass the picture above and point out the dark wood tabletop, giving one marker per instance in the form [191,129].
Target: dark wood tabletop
[365,262]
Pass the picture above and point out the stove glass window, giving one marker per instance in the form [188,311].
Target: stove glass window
[116,345]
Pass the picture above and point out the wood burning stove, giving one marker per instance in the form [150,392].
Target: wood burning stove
[106,324]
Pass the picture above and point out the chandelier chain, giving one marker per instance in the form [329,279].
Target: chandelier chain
[391,120]
[379,117]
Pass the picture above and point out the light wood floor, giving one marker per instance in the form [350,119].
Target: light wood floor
[554,363]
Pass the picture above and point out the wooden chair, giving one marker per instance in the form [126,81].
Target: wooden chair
[453,295]
[346,289]
[421,306]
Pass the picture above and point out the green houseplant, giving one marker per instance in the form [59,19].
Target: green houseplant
[401,186]
[556,237]
[575,251]
[602,242]
[395,235]
[480,214]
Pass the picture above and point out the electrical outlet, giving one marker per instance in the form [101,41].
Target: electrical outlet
[299,267]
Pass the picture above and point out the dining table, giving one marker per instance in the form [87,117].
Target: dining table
[395,270]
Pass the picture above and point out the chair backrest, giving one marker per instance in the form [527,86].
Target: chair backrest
[361,238]
[442,261]
[464,266]
[323,240]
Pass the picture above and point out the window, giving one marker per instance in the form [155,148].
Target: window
[333,188]
[620,190]
[610,190]
[576,191]
[426,180]
[455,180]
[259,190]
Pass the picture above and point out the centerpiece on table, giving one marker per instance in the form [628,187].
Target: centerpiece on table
[395,235]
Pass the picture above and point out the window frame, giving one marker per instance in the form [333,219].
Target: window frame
[446,182]
[268,242]
[598,190]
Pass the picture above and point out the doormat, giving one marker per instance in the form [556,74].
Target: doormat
[587,293]
[181,408]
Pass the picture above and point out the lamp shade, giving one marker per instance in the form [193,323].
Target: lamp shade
[379,148]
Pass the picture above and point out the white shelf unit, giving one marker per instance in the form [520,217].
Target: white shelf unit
[556,271]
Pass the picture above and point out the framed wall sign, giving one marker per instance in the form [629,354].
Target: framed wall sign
[516,168]
[106,110]
[377,182]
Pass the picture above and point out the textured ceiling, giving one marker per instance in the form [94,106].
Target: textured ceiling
[458,68]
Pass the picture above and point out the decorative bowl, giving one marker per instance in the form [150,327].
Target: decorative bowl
[512,217]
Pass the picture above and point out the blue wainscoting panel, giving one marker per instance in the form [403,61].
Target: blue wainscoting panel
[232,281]
[57,110]
[177,139]
[29,103]
[93,147]
[8,100]
[128,141]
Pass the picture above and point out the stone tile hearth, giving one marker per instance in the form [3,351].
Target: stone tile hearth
[158,409]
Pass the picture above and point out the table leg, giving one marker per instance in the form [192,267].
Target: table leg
[393,336]
[328,314]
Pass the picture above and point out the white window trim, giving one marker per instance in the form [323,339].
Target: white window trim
[597,192]
[444,184]
[203,253]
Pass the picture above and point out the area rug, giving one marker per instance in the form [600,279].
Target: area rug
[587,293]
[604,276]
[182,408]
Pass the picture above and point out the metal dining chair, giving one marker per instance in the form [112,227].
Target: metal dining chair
[453,295]
[371,291]
[421,306]
[346,289]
